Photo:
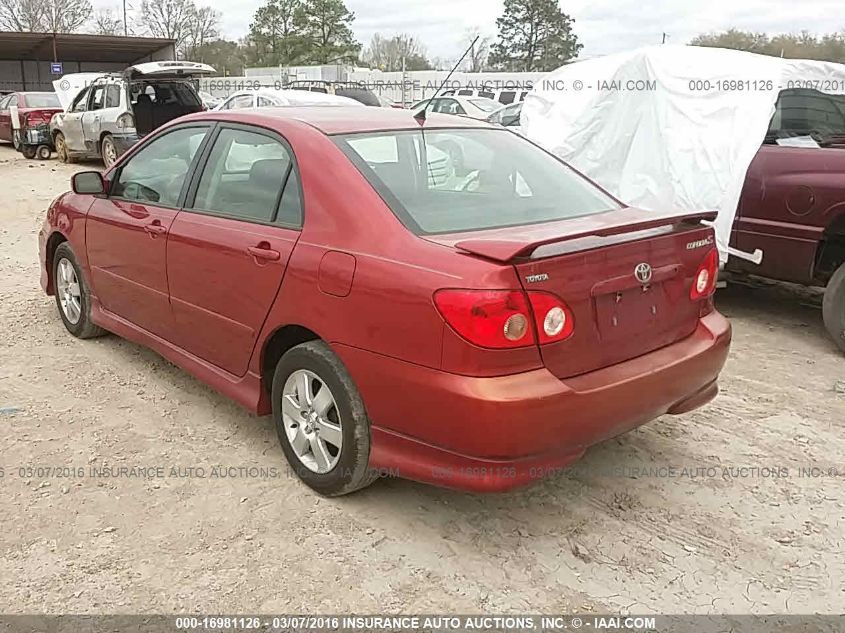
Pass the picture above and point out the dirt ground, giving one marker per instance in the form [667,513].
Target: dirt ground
[725,522]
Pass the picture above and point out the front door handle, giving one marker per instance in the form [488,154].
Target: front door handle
[155,228]
[263,251]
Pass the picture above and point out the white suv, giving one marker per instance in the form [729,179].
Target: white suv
[106,114]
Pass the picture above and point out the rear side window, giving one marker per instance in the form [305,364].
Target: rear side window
[447,181]
[801,112]
[507,97]
[156,173]
[112,96]
[239,102]
[98,97]
[245,176]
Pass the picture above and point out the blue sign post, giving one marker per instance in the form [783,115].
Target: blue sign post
[56,68]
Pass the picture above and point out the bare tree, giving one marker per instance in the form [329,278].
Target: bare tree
[477,59]
[181,20]
[21,15]
[202,28]
[65,16]
[170,19]
[387,53]
[107,23]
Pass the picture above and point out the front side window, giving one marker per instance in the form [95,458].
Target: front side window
[240,102]
[81,102]
[156,174]
[244,178]
[266,102]
[487,105]
[449,181]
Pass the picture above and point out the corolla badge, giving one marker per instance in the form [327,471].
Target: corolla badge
[643,273]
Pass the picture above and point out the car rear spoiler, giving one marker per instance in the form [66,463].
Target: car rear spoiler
[505,250]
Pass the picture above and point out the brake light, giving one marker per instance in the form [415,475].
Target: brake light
[33,117]
[552,317]
[704,282]
[497,319]
[501,319]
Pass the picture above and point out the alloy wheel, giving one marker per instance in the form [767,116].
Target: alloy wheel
[312,421]
[109,153]
[67,287]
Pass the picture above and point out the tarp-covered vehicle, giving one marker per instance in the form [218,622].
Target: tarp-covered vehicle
[759,139]
[106,114]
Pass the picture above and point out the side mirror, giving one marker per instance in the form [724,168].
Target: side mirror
[88,182]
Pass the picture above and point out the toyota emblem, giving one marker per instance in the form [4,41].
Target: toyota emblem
[643,273]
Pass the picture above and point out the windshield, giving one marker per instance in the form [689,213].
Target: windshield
[488,105]
[447,181]
[42,100]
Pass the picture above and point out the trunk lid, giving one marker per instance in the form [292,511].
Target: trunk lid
[600,266]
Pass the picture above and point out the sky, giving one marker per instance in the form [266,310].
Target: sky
[602,26]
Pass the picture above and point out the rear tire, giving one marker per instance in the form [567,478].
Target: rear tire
[342,469]
[833,307]
[62,150]
[108,151]
[73,299]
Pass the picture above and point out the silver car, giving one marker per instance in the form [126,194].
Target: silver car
[106,114]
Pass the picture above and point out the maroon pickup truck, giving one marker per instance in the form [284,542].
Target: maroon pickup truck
[793,202]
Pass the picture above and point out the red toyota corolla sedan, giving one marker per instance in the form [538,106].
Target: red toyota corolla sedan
[444,301]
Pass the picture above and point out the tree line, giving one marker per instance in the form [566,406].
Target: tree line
[533,35]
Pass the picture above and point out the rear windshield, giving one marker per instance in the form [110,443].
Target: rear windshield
[164,92]
[42,100]
[455,180]
[804,112]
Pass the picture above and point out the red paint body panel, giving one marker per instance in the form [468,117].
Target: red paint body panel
[791,196]
[43,115]
[356,277]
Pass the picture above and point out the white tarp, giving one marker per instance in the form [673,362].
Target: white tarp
[668,127]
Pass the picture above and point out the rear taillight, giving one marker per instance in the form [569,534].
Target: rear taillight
[501,319]
[34,117]
[704,281]
[487,318]
[125,121]
[552,317]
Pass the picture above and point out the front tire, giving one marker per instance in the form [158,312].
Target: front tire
[833,307]
[62,150]
[321,421]
[73,299]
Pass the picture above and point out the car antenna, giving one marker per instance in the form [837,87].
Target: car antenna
[420,116]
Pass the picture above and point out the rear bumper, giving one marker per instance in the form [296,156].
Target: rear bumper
[492,434]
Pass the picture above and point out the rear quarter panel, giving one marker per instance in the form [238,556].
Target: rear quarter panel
[389,310]
[791,195]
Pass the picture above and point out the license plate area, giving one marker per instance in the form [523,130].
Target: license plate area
[629,312]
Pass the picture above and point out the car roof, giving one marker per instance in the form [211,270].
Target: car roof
[345,119]
[302,96]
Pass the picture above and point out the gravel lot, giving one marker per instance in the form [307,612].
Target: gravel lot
[739,531]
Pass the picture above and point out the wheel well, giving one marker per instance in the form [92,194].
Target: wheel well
[280,342]
[52,244]
[831,253]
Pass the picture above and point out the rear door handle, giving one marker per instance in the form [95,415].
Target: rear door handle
[155,228]
[263,251]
